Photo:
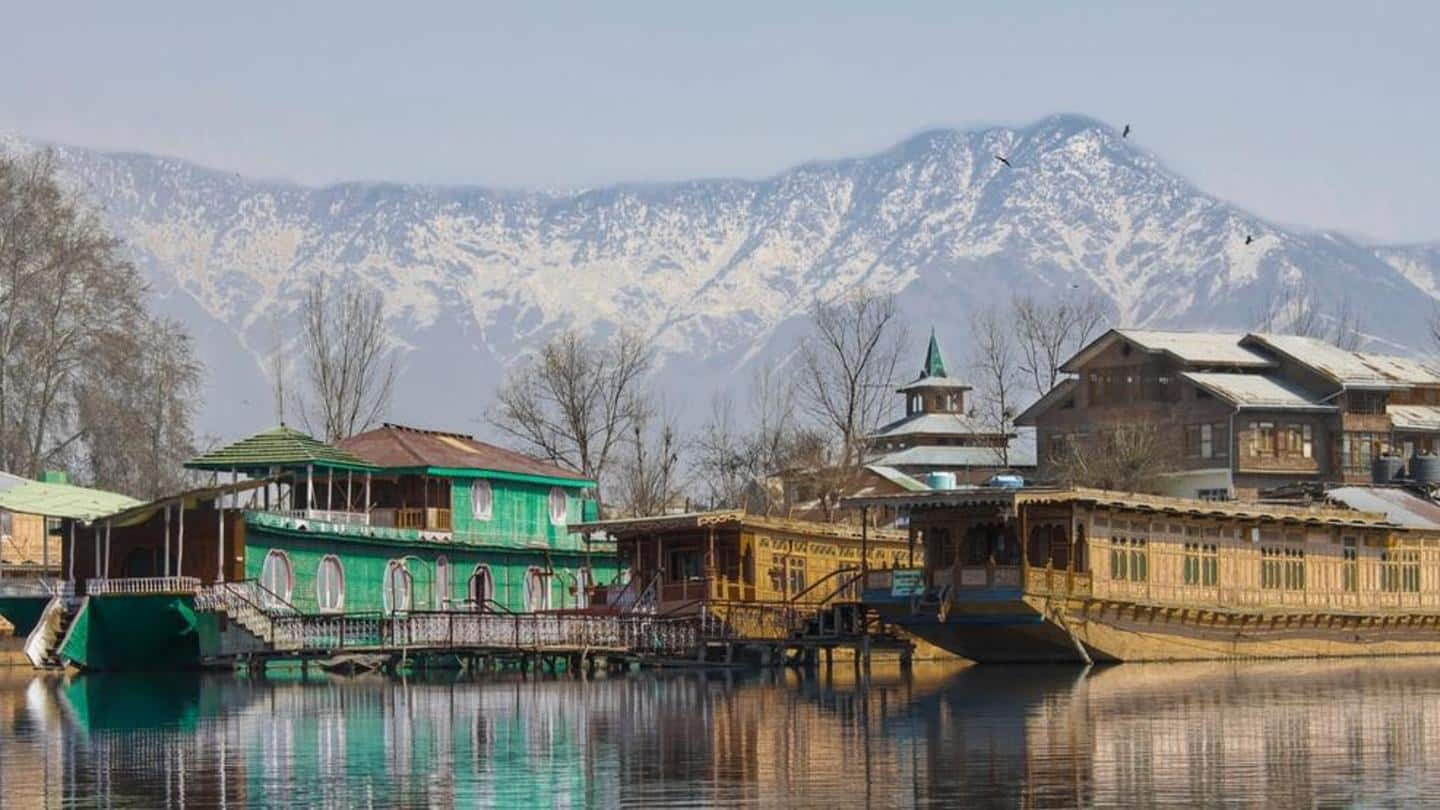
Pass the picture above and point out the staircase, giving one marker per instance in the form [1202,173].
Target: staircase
[843,621]
[252,608]
[43,644]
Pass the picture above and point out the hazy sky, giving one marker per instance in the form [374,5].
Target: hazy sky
[1309,113]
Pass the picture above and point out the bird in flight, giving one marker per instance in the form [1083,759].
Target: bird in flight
[1249,239]
[1003,160]
[1126,133]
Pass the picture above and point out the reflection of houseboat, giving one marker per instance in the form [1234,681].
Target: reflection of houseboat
[728,562]
[1081,575]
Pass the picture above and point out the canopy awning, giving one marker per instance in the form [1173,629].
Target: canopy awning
[278,448]
[138,513]
[59,500]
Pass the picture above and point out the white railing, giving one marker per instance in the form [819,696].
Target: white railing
[140,586]
[326,515]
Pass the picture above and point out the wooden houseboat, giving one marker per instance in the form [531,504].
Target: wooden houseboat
[1083,575]
[759,574]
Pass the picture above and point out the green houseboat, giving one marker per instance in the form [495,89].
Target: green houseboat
[394,521]
[399,519]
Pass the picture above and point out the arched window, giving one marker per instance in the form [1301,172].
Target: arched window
[482,587]
[442,583]
[557,506]
[537,590]
[330,585]
[584,581]
[396,589]
[482,499]
[277,577]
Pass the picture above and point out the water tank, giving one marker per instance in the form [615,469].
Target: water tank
[1006,480]
[1385,469]
[941,480]
[1425,469]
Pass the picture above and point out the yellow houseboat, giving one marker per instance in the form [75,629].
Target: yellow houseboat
[1111,576]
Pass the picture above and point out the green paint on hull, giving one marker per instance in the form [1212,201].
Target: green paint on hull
[133,633]
[23,612]
[146,701]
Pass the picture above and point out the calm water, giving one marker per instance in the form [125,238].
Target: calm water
[1272,734]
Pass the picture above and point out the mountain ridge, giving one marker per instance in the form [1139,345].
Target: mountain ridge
[718,272]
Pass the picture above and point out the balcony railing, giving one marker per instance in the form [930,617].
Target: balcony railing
[141,586]
[327,515]
[430,519]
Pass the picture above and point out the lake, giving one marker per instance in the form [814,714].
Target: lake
[1240,734]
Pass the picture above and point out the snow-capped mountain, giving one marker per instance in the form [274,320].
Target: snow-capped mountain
[719,273]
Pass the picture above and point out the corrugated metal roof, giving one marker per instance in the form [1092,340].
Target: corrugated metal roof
[1398,505]
[398,446]
[1415,417]
[1351,368]
[897,478]
[1190,348]
[277,447]
[60,500]
[941,424]
[939,457]
[1257,391]
[136,512]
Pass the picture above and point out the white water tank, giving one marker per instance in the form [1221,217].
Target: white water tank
[940,480]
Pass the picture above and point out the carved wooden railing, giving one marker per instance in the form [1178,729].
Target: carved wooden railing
[141,586]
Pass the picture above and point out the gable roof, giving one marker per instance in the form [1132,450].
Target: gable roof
[277,447]
[1419,418]
[1350,369]
[394,446]
[1054,396]
[939,424]
[1257,391]
[1206,349]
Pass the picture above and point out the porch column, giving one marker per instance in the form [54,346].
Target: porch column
[180,541]
[367,493]
[349,496]
[108,527]
[864,543]
[96,575]
[220,541]
[167,540]
[910,532]
[309,487]
[71,578]
[1024,527]
[710,561]
[234,496]
[330,489]
[45,552]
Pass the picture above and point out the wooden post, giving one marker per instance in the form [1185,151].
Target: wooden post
[366,510]
[108,526]
[167,540]
[910,532]
[330,489]
[710,561]
[96,573]
[864,545]
[1023,525]
[349,496]
[219,539]
[309,487]
[180,541]
[72,551]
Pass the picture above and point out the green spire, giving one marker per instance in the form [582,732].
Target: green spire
[934,365]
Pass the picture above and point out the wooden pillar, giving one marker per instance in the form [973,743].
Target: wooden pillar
[167,541]
[349,495]
[864,544]
[72,551]
[108,526]
[710,561]
[180,541]
[1024,538]
[96,573]
[366,510]
[309,487]
[910,532]
[330,489]
[219,540]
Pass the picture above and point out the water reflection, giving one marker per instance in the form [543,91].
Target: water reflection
[1243,734]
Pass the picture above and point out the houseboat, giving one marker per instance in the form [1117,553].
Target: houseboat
[759,575]
[1084,575]
[393,521]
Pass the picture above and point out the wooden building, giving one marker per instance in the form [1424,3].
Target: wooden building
[1089,575]
[1242,412]
[685,562]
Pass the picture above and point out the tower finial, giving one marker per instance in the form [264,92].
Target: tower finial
[934,364]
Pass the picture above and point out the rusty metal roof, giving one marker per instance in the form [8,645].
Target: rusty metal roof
[400,447]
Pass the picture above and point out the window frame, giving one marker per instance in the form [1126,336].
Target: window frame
[320,602]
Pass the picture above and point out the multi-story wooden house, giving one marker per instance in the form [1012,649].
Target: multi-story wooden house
[1237,412]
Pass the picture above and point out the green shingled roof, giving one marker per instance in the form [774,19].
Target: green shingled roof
[277,447]
[934,365]
[59,500]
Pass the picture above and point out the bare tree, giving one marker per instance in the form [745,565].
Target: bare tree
[1128,458]
[996,365]
[1048,332]
[1297,308]
[89,379]
[649,480]
[349,363]
[732,461]
[576,401]
[848,367]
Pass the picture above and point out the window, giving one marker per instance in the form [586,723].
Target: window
[1207,441]
[482,587]
[277,577]
[1282,568]
[1129,559]
[557,506]
[537,590]
[1400,571]
[482,499]
[395,592]
[797,575]
[442,583]
[1201,564]
[1213,494]
[330,585]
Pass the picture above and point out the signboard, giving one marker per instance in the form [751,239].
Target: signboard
[907,582]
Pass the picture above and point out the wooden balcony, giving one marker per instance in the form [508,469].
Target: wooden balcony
[430,519]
